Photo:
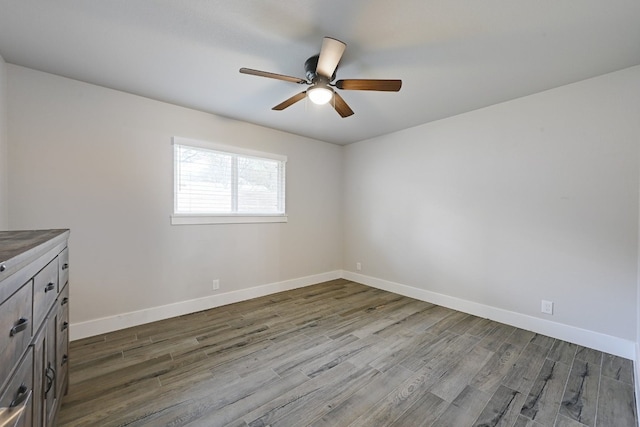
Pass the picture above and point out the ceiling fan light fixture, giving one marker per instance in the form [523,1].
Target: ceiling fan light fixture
[320,94]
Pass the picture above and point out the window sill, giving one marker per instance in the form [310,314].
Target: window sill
[226,219]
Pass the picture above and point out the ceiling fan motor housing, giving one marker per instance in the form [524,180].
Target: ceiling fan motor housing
[310,66]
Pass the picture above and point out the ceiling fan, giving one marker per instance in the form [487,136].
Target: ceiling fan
[320,74]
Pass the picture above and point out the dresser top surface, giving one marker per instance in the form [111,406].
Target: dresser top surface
[15,243]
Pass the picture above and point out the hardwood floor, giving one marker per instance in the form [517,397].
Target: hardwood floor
[342,354]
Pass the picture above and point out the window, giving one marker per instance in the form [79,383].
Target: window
[222,184]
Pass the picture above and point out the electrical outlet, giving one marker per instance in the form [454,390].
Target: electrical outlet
[216,284]
[547,307]
[358,266]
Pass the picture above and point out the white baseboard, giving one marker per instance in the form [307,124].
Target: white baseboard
[607,343]
[113,323]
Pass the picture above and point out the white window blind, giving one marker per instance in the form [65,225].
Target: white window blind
[216,180]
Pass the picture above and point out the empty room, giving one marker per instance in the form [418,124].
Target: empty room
[300,213]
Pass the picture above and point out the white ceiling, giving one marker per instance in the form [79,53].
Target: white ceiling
[452,55]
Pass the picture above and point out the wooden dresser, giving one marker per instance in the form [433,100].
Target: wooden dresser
[34,322]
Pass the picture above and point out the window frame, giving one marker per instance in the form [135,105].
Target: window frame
[226,218]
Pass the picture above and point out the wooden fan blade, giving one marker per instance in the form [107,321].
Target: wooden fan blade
[330,55]
[369,84]
[341,106]
[272,75]
[290,101]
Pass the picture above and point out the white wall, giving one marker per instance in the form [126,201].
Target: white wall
[636,364]
[501,207]
[532,199]
[100,162]
[4,166]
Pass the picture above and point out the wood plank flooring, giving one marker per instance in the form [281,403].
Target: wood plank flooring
[342,354]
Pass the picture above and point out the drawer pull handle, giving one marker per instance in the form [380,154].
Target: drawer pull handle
[51,378]
[22,395]
[65,266]
[64,326]
[20,326]
[50,286]
[65,359]
[64,301]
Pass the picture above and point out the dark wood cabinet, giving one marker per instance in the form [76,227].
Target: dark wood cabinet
[34,313]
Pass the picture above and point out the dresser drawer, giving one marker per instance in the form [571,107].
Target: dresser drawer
[63,265]
[16,398]
[63,311]
[16,322]
[45,291]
